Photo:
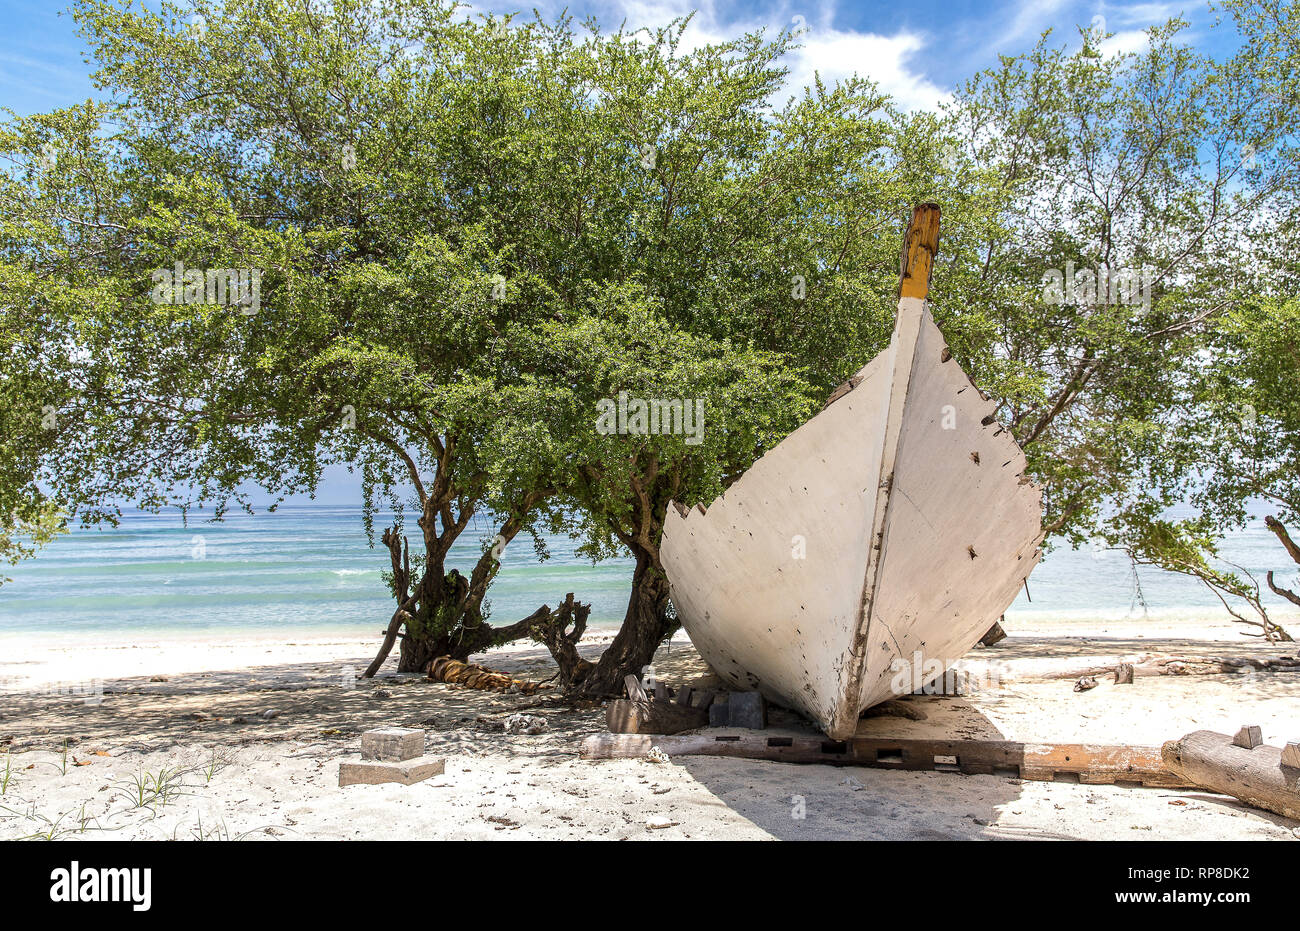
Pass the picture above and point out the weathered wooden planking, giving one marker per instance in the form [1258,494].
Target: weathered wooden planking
[1093,764]
[1249,737]
[631,716]
[897,521]
[1257,776]
[635,690]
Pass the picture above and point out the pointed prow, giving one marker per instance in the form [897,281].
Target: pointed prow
[919,249]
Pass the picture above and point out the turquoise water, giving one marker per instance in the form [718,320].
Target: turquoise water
[305,569]
[308,569]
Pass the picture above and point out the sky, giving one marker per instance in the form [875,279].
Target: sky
[918,52]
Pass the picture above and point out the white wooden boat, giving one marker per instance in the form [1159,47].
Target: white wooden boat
[882,537]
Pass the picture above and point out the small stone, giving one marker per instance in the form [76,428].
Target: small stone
[270,713]
[852,783]
[659,822]
[1084,684]
[381,694]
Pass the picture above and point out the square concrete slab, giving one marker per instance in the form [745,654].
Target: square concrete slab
[393,744]
[378,772]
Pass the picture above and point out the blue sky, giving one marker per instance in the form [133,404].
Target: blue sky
[916,51]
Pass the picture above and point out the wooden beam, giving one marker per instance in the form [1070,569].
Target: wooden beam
[1091,763]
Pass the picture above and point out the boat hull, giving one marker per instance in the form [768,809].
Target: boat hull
[881,538]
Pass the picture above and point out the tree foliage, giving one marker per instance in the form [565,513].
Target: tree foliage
[471,234]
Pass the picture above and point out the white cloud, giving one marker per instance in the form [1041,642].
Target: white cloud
[833,53]
[1122,43]
[884,59]
[1028,19]
[1146,14]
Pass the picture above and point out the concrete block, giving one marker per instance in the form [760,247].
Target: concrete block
[718,714]
[1249,737]
[377,772]
[392,744]
[747,709]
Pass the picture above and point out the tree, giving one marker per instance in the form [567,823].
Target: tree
[1107,206]
[741,248]
[457,241]
[1190,547]
[346,180]
[1233,448]
[466,234]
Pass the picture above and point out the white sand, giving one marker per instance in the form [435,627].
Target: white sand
[232,773]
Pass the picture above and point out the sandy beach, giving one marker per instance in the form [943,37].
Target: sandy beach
[190,739]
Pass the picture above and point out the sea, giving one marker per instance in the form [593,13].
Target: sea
[307,570]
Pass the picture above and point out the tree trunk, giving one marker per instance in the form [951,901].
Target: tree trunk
[646,624]
[418,652]
[560,632]
[429,632]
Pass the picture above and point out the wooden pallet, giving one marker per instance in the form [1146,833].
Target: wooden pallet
[1091,764]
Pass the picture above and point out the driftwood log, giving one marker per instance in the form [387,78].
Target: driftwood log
[658,716]
[454,672]
[1185,666]
[1256,776]
[1091,764]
